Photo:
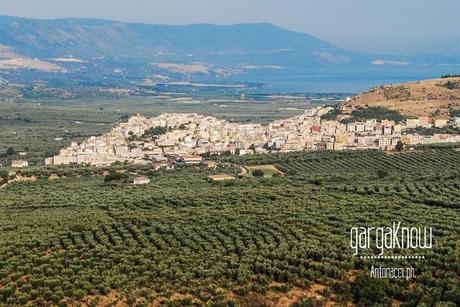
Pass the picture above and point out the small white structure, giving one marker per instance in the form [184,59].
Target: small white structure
[190,160]
[440,123]
[19,163]
[141,180]
[221,177]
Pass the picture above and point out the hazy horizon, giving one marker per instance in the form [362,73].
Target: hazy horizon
[409,27]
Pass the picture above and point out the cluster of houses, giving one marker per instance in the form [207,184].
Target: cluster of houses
[186,137]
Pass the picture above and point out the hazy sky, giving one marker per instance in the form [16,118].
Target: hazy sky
[387,26]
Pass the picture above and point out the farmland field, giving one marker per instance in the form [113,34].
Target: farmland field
[183,239]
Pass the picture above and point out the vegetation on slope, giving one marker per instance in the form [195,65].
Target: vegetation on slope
[332,114]
[378,113]
[451,85]
[431,98]
[450,76]
[154,132]
[364,113]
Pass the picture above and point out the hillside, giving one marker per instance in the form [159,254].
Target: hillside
[236,44]
[433,98]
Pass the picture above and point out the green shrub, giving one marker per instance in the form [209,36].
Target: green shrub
[258,173]
[369,291]
[116,177]
[381,173]
[378,113]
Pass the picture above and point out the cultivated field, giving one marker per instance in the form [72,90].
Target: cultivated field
[183,239]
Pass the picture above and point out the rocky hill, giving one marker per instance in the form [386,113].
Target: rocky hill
[434,98]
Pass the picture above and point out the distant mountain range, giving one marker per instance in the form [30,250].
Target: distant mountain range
[88,51]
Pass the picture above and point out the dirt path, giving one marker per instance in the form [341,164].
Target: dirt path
[243,170]
[19,178]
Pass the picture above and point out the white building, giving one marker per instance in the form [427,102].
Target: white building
[141,180]
[19,163]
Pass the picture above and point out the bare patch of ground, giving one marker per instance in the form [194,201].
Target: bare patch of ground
[68,60]
[431,98]
[113,298]
[177,297]
[184,68]
[27,63]
[267,168]
[294,295]
[19,178]
[351,275]
[54,177]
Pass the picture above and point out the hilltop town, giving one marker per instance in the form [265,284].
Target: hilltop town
[189,136]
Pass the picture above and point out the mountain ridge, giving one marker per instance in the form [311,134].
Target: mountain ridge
[95,49]
[31,35]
